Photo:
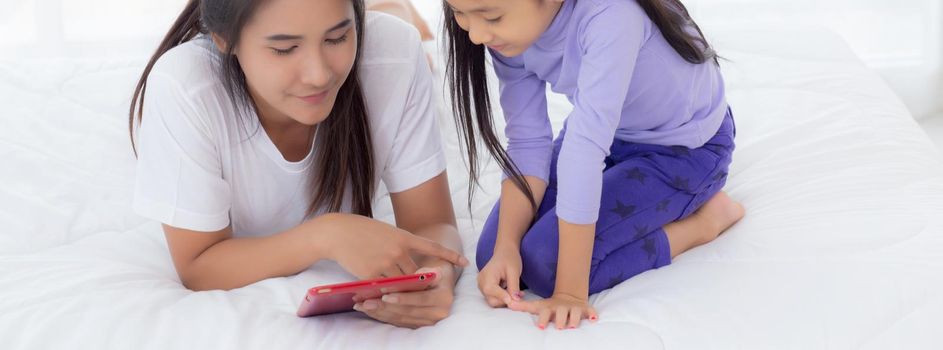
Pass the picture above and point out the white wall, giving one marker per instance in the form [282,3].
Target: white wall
[901,39]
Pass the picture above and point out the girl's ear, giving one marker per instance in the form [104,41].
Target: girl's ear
[221,44]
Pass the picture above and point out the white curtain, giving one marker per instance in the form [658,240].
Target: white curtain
[901,39]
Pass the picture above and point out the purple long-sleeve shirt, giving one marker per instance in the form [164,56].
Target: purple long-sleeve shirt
[624,80]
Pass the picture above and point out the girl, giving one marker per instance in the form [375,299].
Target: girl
[264,132]
[647,144]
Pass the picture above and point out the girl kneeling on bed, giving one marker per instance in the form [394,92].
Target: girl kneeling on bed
[265,130]
[648,143]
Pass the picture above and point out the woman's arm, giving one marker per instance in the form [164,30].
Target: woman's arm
[215,260]
[426,211]
[365,247]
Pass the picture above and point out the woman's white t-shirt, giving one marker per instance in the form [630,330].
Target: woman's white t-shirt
[201,166]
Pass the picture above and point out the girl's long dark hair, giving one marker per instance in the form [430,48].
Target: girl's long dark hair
[467,76]
[344,151]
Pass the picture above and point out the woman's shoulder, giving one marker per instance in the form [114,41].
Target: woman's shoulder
[183,88]
[190,64]
[389,40]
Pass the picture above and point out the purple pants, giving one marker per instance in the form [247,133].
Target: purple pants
[644,188]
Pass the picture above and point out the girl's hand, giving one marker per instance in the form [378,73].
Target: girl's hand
[369,248]
[503,270]
[564,309]
[415,309]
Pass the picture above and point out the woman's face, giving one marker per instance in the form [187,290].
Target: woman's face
[296,54]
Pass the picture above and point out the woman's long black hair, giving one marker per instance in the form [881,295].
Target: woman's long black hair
[467,75]
[344,151]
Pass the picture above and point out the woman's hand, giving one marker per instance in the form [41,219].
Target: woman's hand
[564,309]
[502,271]
[369,248]
[415,309]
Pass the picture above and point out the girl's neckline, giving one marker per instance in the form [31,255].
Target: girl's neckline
[556,32]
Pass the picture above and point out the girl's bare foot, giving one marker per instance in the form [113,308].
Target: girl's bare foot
[708,222]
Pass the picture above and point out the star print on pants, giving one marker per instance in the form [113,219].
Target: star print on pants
[662,206]
[640,231]
[649,247]
[623,210]
[636,174]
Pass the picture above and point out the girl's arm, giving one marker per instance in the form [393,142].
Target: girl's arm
[573,261]
[516,213]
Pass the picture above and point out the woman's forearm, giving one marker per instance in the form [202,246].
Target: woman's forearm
[516,213]
[445,234]
[237,262]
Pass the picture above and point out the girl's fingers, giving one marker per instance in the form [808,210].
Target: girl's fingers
[560,316]
[493,291]
[532,307]
[512,279]
[576,315]
[543,318]
[592,314]
[494,302]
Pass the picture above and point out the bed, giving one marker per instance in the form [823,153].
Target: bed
[841,247]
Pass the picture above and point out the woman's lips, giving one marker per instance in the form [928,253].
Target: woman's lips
[314,99]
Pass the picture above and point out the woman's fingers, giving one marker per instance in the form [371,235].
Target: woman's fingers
[407,265]
[391,271]
[402,315]
[432,248]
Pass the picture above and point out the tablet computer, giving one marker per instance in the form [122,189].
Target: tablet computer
[341,297]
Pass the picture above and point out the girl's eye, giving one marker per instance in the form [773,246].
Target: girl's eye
[282,52]
[337,41]
[493,20]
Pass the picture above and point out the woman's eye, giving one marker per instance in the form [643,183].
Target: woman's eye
[337,41]
[282,52]
[493,20]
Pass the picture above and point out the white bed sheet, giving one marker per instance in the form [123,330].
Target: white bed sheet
[842,246]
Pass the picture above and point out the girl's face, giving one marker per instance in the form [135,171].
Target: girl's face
[296,54]
[506,26]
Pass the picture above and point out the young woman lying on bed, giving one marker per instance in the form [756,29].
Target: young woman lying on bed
[262,130]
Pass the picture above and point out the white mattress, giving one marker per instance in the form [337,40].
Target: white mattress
[842,246]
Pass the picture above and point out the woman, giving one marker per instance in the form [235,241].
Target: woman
[264,130]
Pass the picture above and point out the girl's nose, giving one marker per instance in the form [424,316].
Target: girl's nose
[479,35]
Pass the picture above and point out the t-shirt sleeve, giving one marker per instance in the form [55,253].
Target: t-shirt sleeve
[416,155]
[179,179]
